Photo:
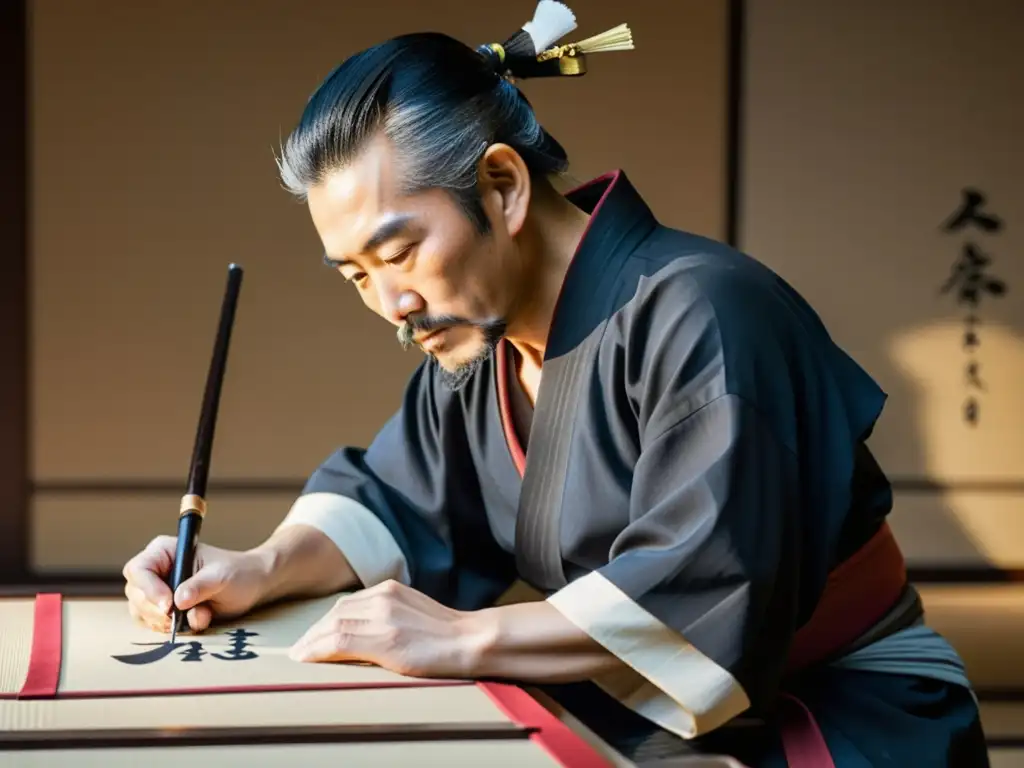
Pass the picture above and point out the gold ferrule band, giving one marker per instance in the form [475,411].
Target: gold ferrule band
[190,502]
[573,64]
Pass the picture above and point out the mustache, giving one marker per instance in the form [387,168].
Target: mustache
[413,325]
[493,330]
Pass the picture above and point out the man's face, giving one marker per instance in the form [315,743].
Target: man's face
[418,261]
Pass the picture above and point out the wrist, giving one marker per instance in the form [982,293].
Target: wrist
[267,568]
[301,561]
[478,641]
[530,642]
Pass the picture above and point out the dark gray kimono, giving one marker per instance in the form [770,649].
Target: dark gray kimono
[694,469]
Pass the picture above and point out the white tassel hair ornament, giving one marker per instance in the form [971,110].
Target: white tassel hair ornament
[532,50]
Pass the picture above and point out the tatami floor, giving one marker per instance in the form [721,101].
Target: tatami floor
[986,625]
[1007,757]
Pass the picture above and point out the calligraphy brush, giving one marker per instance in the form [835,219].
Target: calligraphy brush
[193,503]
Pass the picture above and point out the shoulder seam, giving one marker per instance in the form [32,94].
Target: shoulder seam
[746,404]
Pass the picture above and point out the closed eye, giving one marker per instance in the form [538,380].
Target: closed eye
[400,256]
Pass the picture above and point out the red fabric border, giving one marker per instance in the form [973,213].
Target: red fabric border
[43,675]
[505,409]
[558,739]
[505,376]
[216,691]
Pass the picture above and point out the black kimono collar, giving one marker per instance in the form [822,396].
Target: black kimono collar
[619,221]
[616,212]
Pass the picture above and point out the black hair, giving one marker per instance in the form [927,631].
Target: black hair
[441,104]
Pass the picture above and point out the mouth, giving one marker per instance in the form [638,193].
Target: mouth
[431,339]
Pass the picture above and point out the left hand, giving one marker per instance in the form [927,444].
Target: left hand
[397,628]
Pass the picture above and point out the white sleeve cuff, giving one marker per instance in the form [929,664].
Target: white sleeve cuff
[666,679]
[365,541]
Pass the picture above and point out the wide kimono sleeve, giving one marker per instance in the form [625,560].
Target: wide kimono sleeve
[699,597]
[409,507]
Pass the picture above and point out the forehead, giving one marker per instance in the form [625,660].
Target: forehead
[351,201]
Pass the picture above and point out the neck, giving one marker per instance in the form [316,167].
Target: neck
[549,238]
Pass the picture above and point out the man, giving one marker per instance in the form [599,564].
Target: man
[653,430]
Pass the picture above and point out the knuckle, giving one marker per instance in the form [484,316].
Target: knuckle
[339,626]
[391,637]
[131,568]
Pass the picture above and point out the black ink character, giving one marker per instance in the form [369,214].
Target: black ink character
[971,411]
[238,651]
[193,652]
[971,338]
[970,212]
[974,375]
[969,274]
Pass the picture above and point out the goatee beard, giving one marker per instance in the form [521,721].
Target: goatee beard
[455,379]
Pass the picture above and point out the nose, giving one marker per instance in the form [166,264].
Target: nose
[397,303]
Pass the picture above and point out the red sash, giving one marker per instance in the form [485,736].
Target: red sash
[858,593]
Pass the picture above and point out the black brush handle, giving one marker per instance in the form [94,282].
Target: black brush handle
[189,525]
[193,503]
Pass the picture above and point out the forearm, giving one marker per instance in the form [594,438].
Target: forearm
[301,561]
[534,643]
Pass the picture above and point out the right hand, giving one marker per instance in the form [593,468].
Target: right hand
[225,584]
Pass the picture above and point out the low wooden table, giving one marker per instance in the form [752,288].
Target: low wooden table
[82,684]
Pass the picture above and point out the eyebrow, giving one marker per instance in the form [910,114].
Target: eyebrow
[390,229]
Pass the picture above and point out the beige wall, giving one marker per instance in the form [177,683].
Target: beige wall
[863,122]
[152,137]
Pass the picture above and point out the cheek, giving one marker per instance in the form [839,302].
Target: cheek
[481,278]
[458,271]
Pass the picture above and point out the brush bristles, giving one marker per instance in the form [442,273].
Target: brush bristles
[551,22]
[618,38]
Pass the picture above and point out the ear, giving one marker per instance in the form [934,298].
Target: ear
[504,183]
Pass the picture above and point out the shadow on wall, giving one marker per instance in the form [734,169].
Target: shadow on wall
[973,517]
